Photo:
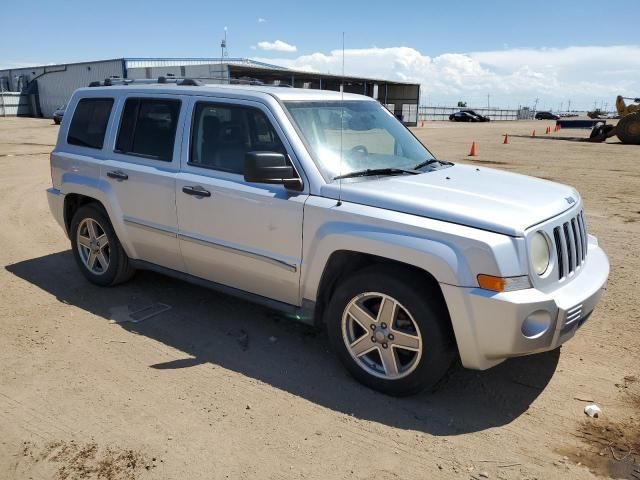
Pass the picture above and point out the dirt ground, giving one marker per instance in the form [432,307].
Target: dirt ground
[217,388]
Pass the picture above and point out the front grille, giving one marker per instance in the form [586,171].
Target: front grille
[571,245]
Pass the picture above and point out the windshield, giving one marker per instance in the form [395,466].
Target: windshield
[370,138]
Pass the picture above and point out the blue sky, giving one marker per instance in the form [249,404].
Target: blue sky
[51,32]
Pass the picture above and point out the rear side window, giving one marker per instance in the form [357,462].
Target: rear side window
[222,134]
[148,128]
[89,122]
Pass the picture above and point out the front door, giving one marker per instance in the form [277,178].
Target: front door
[243,235]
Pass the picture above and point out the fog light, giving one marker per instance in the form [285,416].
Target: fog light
[536,324]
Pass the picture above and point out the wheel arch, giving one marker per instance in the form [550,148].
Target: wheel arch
[72,202]
[343,263]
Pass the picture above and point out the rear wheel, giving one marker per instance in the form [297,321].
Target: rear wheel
[96,248]
[389,331]
[628,129]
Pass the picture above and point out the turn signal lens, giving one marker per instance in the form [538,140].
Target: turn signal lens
[503,284]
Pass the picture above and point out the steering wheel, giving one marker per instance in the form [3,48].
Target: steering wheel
[358,155]
[360,150]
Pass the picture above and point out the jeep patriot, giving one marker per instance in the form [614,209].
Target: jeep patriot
[324,205]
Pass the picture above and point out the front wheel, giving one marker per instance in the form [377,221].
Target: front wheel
[628,129]
[390,330]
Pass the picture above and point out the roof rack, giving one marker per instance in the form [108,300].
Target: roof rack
[108,82]
[185,82]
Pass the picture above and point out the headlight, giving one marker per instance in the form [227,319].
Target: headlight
[540,254]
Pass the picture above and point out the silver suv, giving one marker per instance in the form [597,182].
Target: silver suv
[325,206]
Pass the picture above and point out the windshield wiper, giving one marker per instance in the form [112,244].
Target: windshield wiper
[369,172]
[428,162]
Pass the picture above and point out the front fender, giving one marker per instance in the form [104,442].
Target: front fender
[452,254]
[437,258]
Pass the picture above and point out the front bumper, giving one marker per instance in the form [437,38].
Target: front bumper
[491,327]
[56,205]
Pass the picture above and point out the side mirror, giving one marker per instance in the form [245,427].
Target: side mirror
[270,167]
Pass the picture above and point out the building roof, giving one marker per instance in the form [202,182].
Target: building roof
[238,62]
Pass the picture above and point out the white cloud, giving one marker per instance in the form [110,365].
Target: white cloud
[510,76]
[262,20]
[278,46]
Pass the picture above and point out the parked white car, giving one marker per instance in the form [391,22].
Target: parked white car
[325,206]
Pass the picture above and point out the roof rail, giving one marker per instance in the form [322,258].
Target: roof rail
[109,82]
[184,82]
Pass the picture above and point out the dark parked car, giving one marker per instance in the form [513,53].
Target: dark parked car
[547,116]
[58,114]
[467,116]
[481,118]
[463,117]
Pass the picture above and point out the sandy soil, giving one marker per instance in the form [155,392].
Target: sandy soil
[183,395]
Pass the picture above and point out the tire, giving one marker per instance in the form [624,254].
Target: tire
[91,250]
[56,121]
[628,129]
[421,322]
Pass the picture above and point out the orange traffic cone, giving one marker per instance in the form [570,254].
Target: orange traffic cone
[533,134]
[474,150]
[506,139]
[548,131]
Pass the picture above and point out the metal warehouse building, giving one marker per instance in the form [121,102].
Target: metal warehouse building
[45,88]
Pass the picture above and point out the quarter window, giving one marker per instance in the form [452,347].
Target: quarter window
[148,128]
[89,122]
[223,134]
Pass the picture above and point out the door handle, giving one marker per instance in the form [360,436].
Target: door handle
[118,175]
[196,191]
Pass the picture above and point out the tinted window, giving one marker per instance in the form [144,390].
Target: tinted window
[89,122]
[221,135]
[148,127]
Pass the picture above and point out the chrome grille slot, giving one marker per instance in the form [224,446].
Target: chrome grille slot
[571,245]
[577,240]
[583,229]
[556,239]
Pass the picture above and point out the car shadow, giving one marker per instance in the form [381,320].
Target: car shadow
[213,328]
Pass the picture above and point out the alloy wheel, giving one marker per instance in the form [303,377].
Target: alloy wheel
[93,246]
[381,335]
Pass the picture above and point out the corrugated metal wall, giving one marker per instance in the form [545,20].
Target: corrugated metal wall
[55,88]
[13,104]
[203,71]
[56,83]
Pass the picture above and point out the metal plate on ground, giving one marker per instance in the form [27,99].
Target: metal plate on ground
[135,314]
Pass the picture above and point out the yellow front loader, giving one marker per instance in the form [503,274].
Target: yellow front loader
[628,127]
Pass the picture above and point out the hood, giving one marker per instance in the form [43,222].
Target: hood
[485,198]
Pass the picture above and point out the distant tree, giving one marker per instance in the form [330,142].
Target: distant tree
[462,104]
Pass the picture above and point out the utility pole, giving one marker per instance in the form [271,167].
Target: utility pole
[223,45]
[569,106]
[535,106]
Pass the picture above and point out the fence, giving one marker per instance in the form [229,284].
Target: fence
[442,113]
[13,104]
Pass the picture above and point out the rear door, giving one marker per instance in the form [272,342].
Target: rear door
[141,176]
[243,235]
